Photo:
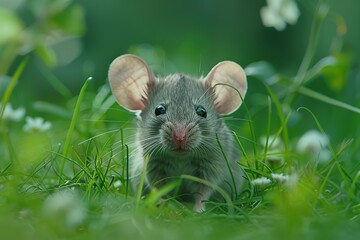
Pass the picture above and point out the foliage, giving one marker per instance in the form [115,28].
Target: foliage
[69,179]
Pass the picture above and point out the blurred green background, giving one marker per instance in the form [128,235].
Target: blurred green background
[71,40]
[66,41]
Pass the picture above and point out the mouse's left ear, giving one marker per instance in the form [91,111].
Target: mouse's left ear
[223,79]
[131,82]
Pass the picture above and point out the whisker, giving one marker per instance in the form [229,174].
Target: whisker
[101,134]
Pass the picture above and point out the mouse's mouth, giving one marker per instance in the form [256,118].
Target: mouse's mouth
[180,148]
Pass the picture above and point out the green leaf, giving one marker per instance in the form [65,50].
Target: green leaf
[317,69]
[310,93]
[47,55]
[11,86]
[336,74]
[72,126]
[71,20]
[56,6]
[264,71]
[10,26]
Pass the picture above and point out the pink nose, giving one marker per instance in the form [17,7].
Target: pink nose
[179,132]
[179,136]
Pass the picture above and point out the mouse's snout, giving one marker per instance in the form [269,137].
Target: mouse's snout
[180,137]
[179,133]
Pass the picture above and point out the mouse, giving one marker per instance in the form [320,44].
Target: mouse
[181,128]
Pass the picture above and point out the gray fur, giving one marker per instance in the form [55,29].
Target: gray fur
[203,158]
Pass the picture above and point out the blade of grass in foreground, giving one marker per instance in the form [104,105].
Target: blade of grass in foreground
[72,126]
[215,188]
[227,164]
[11,87]
[141,184]
[310,93]
[281,116]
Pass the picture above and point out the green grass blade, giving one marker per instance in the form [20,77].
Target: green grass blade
[247,113]
[72,125]
[11,87]
[127,171]
[322,186]
[353,187]
[319,127]
[267,131]
[122,152]
[240,145]
[155,196]
[281,116]
[310,93]
[228,165]
[142,182]
[216,188]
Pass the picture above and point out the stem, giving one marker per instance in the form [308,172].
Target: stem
[11,87]
[122,153]
[310,93]
[72,126]
[142,182]
[227,164]
[309,53]
[7,58]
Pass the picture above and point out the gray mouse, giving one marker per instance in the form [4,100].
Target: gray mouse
[180,126]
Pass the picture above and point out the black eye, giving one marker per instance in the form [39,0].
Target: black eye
[160,109]
[200,110]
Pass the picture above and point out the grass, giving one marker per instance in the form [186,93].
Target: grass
[78,189]
[72,181]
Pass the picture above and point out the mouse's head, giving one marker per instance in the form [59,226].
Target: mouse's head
[178,114]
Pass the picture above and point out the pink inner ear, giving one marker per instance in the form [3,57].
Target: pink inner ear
[226,98]
[131,81]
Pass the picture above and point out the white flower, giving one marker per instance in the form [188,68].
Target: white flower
[65,207]
[14,115]
[279,12]
[36,124]
[314,143]
[280,178]
[263,181]
[117,184]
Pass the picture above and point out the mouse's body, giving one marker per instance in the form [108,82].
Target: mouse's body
[180,127]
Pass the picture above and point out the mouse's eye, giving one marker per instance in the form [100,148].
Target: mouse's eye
[160,109]
[201,111]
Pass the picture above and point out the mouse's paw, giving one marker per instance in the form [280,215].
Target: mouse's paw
[199,206]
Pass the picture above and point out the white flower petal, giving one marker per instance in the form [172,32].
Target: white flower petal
[36,124]
[324,156]
[117,184]
[279,12]
[279,177]
[67,206]
[12,114]
[290,12]
[263,181]
[312,142]
[271,18]
[275,4]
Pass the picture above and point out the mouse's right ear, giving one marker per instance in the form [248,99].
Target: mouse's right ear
[131,82]
[224,79]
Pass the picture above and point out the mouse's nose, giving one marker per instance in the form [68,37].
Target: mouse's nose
[179,132]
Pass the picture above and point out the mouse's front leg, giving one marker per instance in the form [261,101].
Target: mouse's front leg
[204,194]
